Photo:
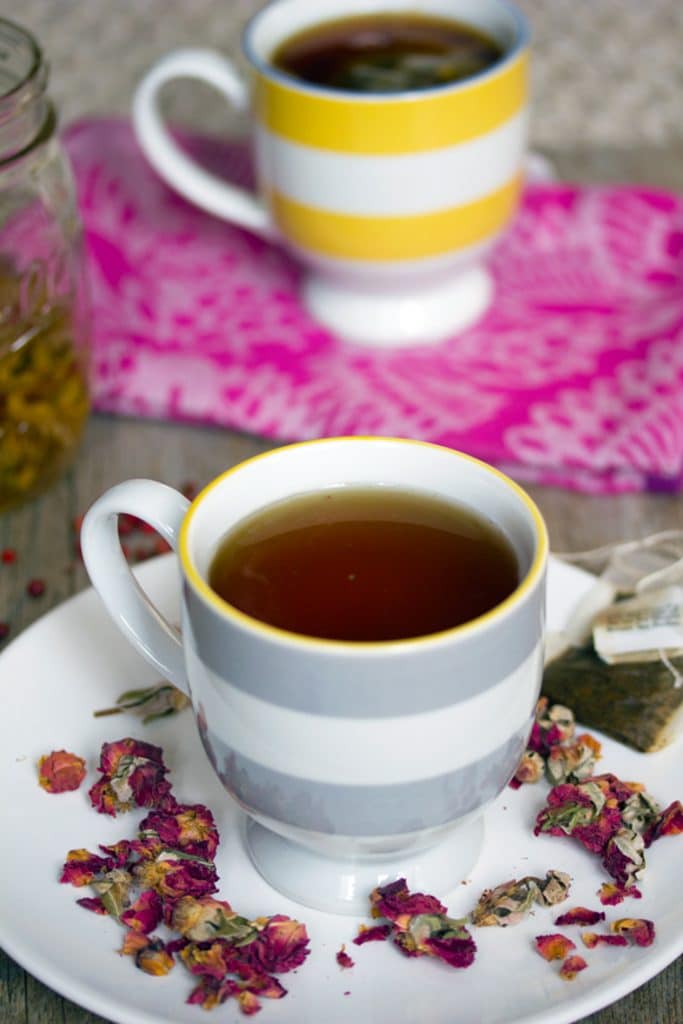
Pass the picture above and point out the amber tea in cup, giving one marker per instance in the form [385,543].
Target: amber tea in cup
[386,52]
[364,564]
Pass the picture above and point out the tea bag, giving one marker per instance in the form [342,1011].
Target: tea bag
[618,663]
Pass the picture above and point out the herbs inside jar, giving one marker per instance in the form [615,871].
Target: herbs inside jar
[44,338]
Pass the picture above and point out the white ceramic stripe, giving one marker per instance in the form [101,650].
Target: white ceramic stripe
[344,751]
[385,186]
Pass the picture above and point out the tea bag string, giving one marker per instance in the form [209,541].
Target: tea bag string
[617,563]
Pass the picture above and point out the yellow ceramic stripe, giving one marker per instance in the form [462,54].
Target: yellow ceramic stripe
[394,238]
[387,126]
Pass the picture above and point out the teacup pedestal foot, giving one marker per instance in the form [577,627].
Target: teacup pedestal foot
[342,886]
[406,316]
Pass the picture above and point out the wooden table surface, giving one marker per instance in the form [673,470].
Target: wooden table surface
[115,450]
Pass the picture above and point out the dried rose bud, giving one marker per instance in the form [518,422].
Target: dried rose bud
[35,588]
[530,768]
[572,763]
[508,903]
[281,945]
[624,857]
[572,966]
[554,888]
[150,703]
[189,828]
[133,775]
[61,771]
[8,556]
[200,919]
[155,960]
[113,888]
[436,935]
[394,901]
[640,812]
[553,947]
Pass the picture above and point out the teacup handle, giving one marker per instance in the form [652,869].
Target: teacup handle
[171,163]
[139,620]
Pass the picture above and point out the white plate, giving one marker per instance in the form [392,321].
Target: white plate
[74,661]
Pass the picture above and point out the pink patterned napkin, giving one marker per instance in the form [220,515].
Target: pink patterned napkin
[574,377]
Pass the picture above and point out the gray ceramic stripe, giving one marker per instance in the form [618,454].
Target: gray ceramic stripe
[359,685]
[364,810]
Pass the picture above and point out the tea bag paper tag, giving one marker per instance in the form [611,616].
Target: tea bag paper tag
[576,631]
[645,628]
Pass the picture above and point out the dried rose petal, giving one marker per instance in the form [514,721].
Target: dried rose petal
[668,823]
[580,915]
[82,866]
[248,1003]
[281,946]
[611,895]
[553,947]
[593,939]
[637,930]
[267,987]
[571,967]
[118,852]
[343,958]
[133,943]
[210,993]
[93,904]
[378,933]
[61,771]
[145,914]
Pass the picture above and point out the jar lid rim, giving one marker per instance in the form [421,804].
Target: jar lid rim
[36,62]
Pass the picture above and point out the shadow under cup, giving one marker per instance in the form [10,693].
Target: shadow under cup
[361,762]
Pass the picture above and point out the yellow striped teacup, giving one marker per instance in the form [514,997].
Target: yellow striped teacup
[390,200]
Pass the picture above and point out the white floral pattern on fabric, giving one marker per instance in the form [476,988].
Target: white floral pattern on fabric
[574,376]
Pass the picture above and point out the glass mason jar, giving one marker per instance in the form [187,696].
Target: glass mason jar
[44,333]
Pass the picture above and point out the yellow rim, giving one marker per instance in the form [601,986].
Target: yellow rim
[273,632]
[413,124]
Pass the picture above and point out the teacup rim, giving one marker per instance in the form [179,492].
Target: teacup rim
[525,587]
[263,67]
